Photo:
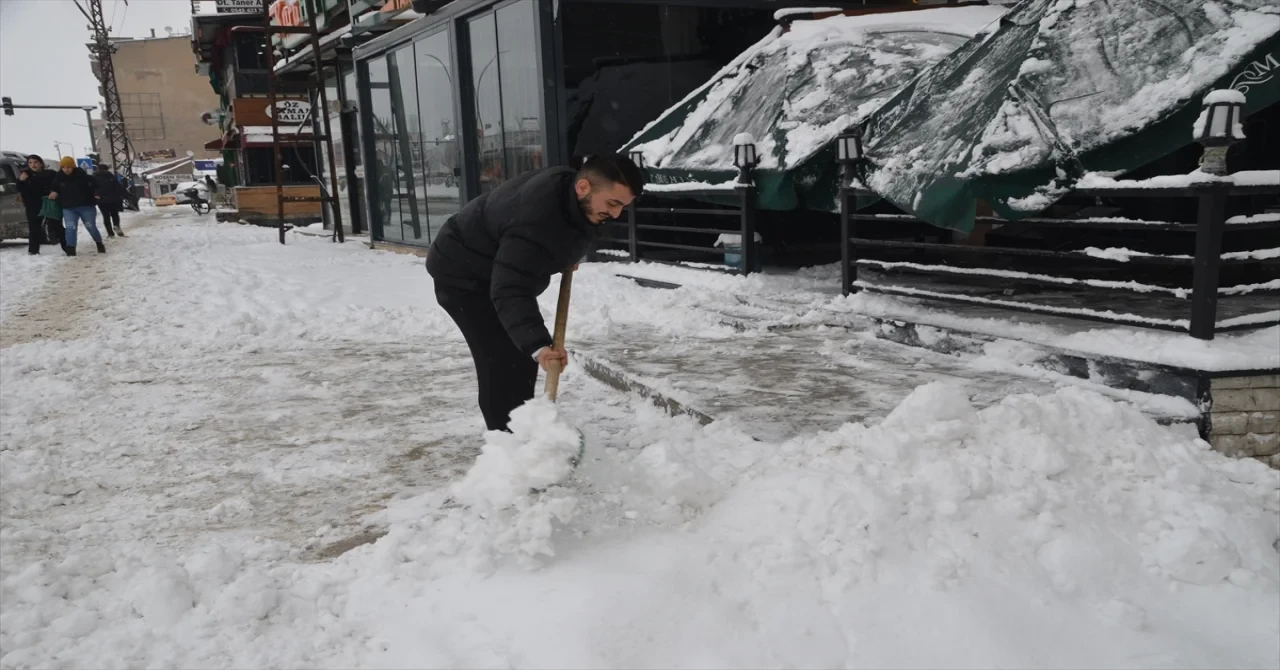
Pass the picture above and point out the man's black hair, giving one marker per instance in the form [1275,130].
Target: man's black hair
[614,169]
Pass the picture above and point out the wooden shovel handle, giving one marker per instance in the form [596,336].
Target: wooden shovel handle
[557,336]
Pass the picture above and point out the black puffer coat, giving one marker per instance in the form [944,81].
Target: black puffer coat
[508,242]
[33,189]
[109,188]
[76,189]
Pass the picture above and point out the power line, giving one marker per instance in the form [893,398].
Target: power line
[125,15]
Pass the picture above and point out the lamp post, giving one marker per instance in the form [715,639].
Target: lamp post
[1219,127]
[849,155]
[744,156]
[746,159]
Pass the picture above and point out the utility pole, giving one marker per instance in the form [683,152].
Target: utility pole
[112,115]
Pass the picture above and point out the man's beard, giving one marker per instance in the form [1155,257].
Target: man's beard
[595,230]
[585,204]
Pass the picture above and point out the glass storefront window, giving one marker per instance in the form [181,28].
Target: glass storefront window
[418,140]
[488,102]
[508,88]
[439,191]
[384,209]
[403,83]
[521,87]
[260,162]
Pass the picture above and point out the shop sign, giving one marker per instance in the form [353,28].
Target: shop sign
[239,6]
[157,154]
[159,179]
[206,165]
[396,6]
[290,111]
[253,111]
[286,13]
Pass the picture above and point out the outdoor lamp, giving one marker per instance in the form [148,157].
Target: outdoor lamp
[744,151]
[849,148]
[1218,127]
[849,155]
[744,156]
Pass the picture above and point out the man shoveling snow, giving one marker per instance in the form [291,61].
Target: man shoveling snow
[493,258]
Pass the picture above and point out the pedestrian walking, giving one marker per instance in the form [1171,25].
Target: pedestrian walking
[111,196]
[493,258]
[34,184]
[77,192]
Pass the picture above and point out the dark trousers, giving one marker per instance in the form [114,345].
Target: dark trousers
[507,375]
[110,216]
[35,232]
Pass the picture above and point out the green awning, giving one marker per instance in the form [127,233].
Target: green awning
[794,92]
[1061,87]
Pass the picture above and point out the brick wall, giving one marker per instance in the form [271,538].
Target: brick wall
[1244,419]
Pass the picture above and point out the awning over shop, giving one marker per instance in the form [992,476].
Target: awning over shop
[795,91]
[1062,87]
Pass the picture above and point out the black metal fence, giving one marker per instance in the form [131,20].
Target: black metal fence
[643,235]
[1206,264]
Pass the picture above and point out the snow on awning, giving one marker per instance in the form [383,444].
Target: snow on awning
[795,91]
[1061,88]
[167,167]
[303,56]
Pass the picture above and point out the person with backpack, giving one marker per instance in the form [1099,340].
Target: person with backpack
[33,186]
[77,192]
[111,195]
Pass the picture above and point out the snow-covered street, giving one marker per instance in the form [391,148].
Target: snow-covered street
[217,451]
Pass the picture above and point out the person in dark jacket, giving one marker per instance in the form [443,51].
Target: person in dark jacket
[33,185]
[111,195]
[493,258]
[77,192]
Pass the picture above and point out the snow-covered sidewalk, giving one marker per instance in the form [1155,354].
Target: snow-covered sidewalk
[188,458]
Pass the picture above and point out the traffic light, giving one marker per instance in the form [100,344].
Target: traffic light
[8,105]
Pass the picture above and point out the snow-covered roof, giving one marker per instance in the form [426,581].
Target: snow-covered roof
[1059,83]
[796,90]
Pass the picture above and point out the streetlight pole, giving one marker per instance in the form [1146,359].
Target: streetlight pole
[88,118]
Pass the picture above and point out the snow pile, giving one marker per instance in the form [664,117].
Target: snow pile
[1083,532]
[156,508]
[537,453]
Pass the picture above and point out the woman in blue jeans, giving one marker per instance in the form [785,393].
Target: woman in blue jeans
[77,192]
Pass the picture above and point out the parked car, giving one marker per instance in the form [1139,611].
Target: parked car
[13,216]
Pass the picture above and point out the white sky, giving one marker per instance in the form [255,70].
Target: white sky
[43,61]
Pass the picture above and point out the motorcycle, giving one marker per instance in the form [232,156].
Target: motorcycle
[199,204]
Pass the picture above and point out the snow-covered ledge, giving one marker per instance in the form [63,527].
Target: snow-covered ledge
[685,186]
[1099,181]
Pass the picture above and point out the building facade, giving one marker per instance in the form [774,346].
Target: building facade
[432,103]
[161,98]
[479,91]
